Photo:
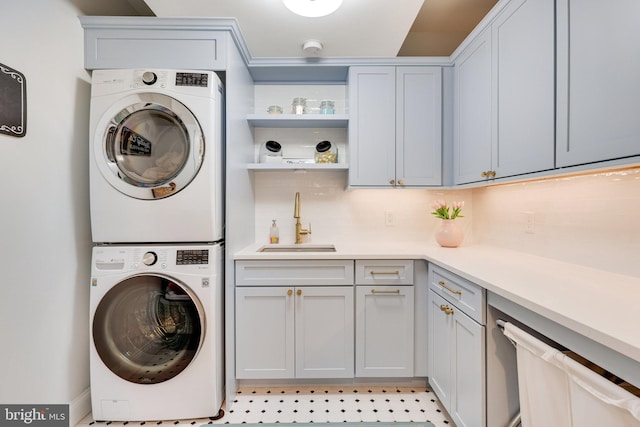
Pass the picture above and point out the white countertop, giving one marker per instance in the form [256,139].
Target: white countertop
[600,305]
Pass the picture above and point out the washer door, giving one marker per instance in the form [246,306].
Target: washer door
[149,146]
[148,328]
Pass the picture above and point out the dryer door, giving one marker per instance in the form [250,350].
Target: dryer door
[148,328]
[149,146]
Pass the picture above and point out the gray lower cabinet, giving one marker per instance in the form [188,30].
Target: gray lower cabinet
[306,319]
[290,326]
[384,318]
[304,332]
[456,346]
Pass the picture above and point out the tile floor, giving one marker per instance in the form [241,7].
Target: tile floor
[319,404]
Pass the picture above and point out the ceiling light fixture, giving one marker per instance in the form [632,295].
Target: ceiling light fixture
[312,8]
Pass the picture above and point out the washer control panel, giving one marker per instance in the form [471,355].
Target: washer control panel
[192,256]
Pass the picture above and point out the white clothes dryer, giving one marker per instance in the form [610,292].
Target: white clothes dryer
[156,167]
[156,341]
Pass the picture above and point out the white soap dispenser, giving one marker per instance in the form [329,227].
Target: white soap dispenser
[274,233]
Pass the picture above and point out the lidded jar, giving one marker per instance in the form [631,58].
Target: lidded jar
[327,107]
[326,152]
[271,152]
[299,106]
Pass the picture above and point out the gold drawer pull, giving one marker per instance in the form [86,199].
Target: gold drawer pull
[447,310]
[290,292]
[299,292]
[444,285]
[376,291]
[396,273]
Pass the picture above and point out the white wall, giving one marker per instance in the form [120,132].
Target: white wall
[45,241]
[592,220]
[340,216]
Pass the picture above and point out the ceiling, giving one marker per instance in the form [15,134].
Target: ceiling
[360,28]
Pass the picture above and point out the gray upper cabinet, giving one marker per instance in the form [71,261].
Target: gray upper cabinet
[134,42]
[395,127]
[472,111]
[523,46]
[598,86]
[504,96]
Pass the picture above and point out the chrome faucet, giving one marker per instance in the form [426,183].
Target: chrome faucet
[296,214]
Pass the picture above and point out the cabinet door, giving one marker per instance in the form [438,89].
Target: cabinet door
[439,349]
[384,331]
[467,396]
[523,46]
[372,105]
[472,111]
[264,332]
[418,126]
[598,89]
[324,332]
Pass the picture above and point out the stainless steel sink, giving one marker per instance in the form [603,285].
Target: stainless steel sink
[302,247]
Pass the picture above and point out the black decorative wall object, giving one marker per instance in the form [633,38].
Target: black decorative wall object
[13,102]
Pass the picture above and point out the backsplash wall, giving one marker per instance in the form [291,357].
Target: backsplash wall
[338,215]
[592,220]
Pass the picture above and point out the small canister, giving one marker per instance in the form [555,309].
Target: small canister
[299,106]
[274,109]
[326,152]
[327,107]
[271,152]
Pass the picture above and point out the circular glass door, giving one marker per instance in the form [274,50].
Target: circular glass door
[149,146]
[148,328]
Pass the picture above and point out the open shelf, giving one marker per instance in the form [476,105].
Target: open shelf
[297,166]
[299,120]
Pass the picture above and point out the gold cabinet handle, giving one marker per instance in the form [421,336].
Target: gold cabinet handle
[447,310]
[444,285]
[299,292]
[290,292]
[376,291]
[392,182]
[401,181]
[396,272]
[488,174]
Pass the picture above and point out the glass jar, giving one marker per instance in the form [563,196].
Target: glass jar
[299,106]
[271,152]
[274,109]
[326,152]
[327,107]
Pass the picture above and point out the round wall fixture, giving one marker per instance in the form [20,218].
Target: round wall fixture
[312,48]
[312,8]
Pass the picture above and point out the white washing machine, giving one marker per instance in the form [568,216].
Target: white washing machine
[156,167]
[156,321]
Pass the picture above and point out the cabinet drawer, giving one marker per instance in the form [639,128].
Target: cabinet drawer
[465,295]
[294,273]
[384,272]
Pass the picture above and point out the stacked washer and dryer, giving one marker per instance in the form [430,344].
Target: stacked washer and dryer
[156,195]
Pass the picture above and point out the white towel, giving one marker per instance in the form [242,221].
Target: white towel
[555,390]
